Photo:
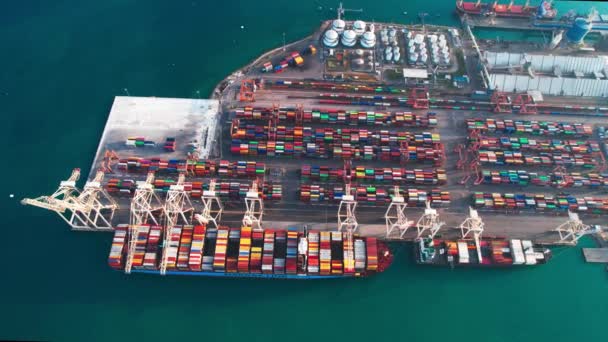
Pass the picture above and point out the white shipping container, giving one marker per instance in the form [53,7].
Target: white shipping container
[517,252]
[463,252]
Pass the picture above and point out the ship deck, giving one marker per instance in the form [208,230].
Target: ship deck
[599,255]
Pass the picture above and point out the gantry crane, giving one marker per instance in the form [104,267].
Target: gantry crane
[573,229]
[144,205]
[429,221]
[177,206]
[64,198]
[346,211]
[97,206]
[212,207]
[473,226]
[395,215]
[254,208]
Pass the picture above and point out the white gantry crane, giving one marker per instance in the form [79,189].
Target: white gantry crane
[473,226]
[97,206]
[212,207]
[395,215]
[573,229]
[429,221]
[91,209]
[178,209]
[254,208]
[143,206]
[62,200]
[346,211]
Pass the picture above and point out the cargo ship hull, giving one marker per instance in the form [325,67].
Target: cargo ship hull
[491,253]
[506,11]
[246,253]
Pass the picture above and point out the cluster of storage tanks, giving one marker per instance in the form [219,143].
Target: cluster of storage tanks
[348,37]
[392,51]
[419,50]
[363,59]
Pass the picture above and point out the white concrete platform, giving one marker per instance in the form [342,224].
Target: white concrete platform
[155,119]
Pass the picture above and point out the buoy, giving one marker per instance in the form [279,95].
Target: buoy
[242,27]
[11,195]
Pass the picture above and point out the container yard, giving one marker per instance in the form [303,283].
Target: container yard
[293,172]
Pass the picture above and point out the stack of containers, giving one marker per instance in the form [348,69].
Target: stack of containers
[169,145]
[498,252]
[313,193]
[360,255]
[372,253]
[232,251]
[325,253]
[349,256]
[546,128]
[291,264]
[209,249]
[202,168]
[184,247]
[337,253]
[541,202]
[280,251]
[268,252]
[244,250]
[196,250]
[117,186]
[151,256]
[172,248]
[273,192]
[257,244]
[375,175]
[141,238]
[313,252]
[221,245]
[139,142]
[117,251]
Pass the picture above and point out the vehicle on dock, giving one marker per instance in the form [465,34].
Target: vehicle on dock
[484,252]
[244,252]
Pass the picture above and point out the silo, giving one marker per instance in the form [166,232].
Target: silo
[338,25]
[358,61]
[432,38]
[388,56]
[442,43]
[330,38]
[396,56]
[424,57]
[349,38]
[388,49]
[410,43]
[368,40]
[359,27]
[576,34]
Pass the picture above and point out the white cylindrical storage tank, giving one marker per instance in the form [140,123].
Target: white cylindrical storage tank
[442,37]
[436,59]
[423,50]
[424,57]
[388,49]
[358,61]
[442,43]
[368,40]
[392,33]
[359,27]
[330,38]
[359,52]
[388,56]
[396,49]
[445,60]
[338,25]
[385,40]
[412,49]
[409,35]
[370,65]
[396,56]
[372,28]
[444,49]
[422,45]
[395,43]
[413,57]
[418,38]
[349,38]
[384,32]
[433,38]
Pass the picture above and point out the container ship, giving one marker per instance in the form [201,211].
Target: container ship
[485,252]
[198,250]
[543,11]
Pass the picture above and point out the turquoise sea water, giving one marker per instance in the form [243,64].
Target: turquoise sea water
[62,62]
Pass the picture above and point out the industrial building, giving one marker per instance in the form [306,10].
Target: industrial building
[549,74]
